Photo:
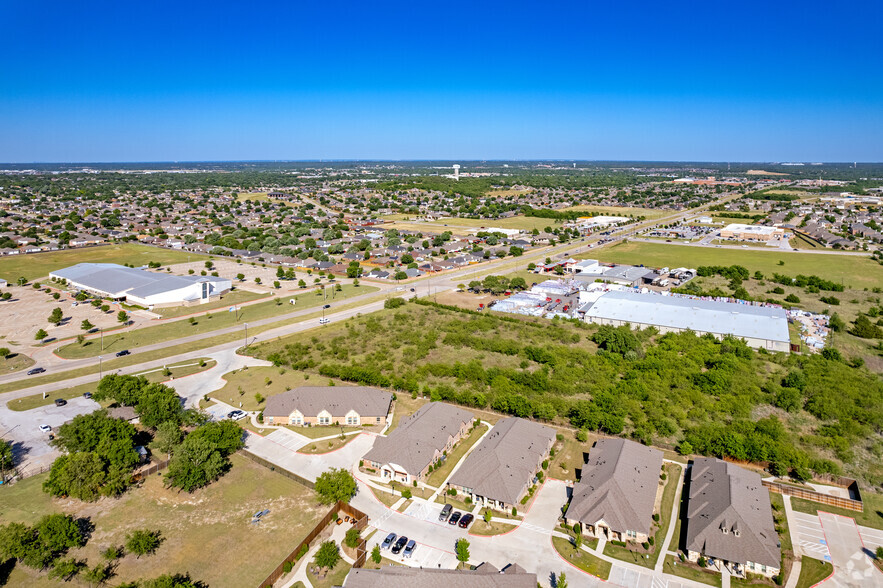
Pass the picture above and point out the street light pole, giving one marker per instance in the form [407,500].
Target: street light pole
[246,335]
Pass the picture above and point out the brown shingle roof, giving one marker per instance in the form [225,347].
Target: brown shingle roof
[419,436]
[337,400]
[504,462]
[618,486]
[724,496]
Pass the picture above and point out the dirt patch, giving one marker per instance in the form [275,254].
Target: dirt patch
[760,172]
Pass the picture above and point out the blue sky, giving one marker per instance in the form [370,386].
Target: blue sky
[707,81]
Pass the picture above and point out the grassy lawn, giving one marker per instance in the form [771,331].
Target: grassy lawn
[419,491]
[186,368]
[201,325]
[813,571]
[227,300]
[871,516]
[456,502]
[403,406]
[690,571]
[385,497]
[15,362]
[404,506]
[582,559]
[437,477]
[203,532]
[479,527]
[333,578]
[853,270]
[320,447]
[38,265]
[242,385]
[569,457]
[498,514]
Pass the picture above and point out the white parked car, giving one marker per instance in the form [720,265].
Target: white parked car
[324,321]
[45,428]
[236,415]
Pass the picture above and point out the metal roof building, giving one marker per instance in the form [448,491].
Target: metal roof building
[763,327]
[142,287]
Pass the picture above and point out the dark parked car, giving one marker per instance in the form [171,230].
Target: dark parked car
[467,518]
[60,402]
[122,353]
[388,541]
[455,518]
[445,512]
[399,544]
[36,371]
[87,395]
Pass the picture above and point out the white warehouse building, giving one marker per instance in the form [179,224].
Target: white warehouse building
[142,287]
[762,327]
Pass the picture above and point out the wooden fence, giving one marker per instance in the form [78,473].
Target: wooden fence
[152,469]
[270,465]
[839,502]
[341,507]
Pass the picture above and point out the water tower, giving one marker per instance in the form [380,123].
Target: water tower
[456,171]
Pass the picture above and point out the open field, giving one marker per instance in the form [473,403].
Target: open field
[852,270]
[463,226]
[582,559]
[187,368]
[38,265]
[203,532]
[204,324]
[649,213]
[813,571]
[227,300]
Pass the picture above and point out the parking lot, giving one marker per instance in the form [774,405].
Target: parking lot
[30,445]
[280,448]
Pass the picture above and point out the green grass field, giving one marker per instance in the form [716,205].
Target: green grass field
[38,265]
[15,362]
[813,571]
[203,324]
[855,271]
[204,532]
[582,559]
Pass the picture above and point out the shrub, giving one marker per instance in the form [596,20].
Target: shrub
[286,567]
[352,538]
[645,545]
[582,436]
[406,493]
[650,540]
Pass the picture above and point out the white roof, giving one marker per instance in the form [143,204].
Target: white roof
[760,229]
[707,316]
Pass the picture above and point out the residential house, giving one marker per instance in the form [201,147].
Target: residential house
[499,471]
[421,440]
[329,405]
[729,518]
[616,494]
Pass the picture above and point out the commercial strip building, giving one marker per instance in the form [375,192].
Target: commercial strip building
[729,518]
[483,576]
[140,286]
[762,327]
[500,469]
[353,406]
[421,439]
[742,232]
[616,494]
